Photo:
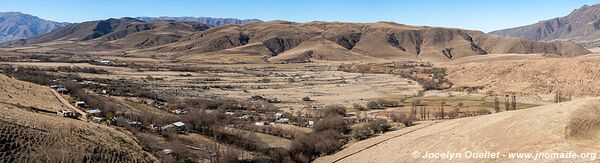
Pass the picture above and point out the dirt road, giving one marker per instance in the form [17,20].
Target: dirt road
[68,105]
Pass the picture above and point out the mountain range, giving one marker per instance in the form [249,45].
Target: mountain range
[282,41]
[581,26]
[205,20]
[16,25]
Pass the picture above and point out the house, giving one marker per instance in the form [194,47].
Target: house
[94,111]
[311,123]
[167,151]
[261,123]
[56,86]
[80,104]
[279,115]
[65,113]
[282,120]
[179,112]
[245,117]
[229,113]
[180,126]
[104,62]
[97,119]
[62,90]
[135,123]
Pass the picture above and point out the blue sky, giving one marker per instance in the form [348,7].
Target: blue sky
[484,15]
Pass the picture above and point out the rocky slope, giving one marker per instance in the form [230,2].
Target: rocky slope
[581,26]
[15,25]
[205,20]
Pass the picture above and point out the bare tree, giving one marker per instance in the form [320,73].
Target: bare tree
[496,104]
[514,102]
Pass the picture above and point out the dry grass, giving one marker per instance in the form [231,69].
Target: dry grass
[29,137]
[27,94]
[585,122]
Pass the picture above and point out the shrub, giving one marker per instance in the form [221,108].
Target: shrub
[361,133]
[333,122]
[373,105]
[335,110]
[378,126]
[585,122]
[306,99]
[306,148]
[403,118]
[387,103]
[359,107]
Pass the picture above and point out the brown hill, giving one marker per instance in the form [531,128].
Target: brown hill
[581,26]
[532,75]
[261,41]
[378,40]
[118,33]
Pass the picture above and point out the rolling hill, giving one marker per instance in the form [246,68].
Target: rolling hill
[581,26]
[296,42]
[115,34]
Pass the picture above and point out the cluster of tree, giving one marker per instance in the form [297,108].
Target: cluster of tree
[405,119]
[220,103]
[561,97]
[326,138]
[268,130]
[370,128]
[75,69]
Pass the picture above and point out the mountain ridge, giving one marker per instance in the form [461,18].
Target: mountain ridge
[582,26]
[303,42]
[16,25]
[206,20]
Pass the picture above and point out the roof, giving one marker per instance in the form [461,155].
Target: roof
[94,111]
[179,124]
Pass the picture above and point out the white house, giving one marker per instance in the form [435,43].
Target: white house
[261,123]
[65,113]
[80,104]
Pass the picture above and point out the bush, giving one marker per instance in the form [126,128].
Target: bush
[403,118]
[387,103]
[359,107]
[378,126]
[335,110]
[306,99]
[373,105]
[334,122]
[585,122]
[361,133]
[306,148]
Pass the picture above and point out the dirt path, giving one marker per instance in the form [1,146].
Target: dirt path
[68,105]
